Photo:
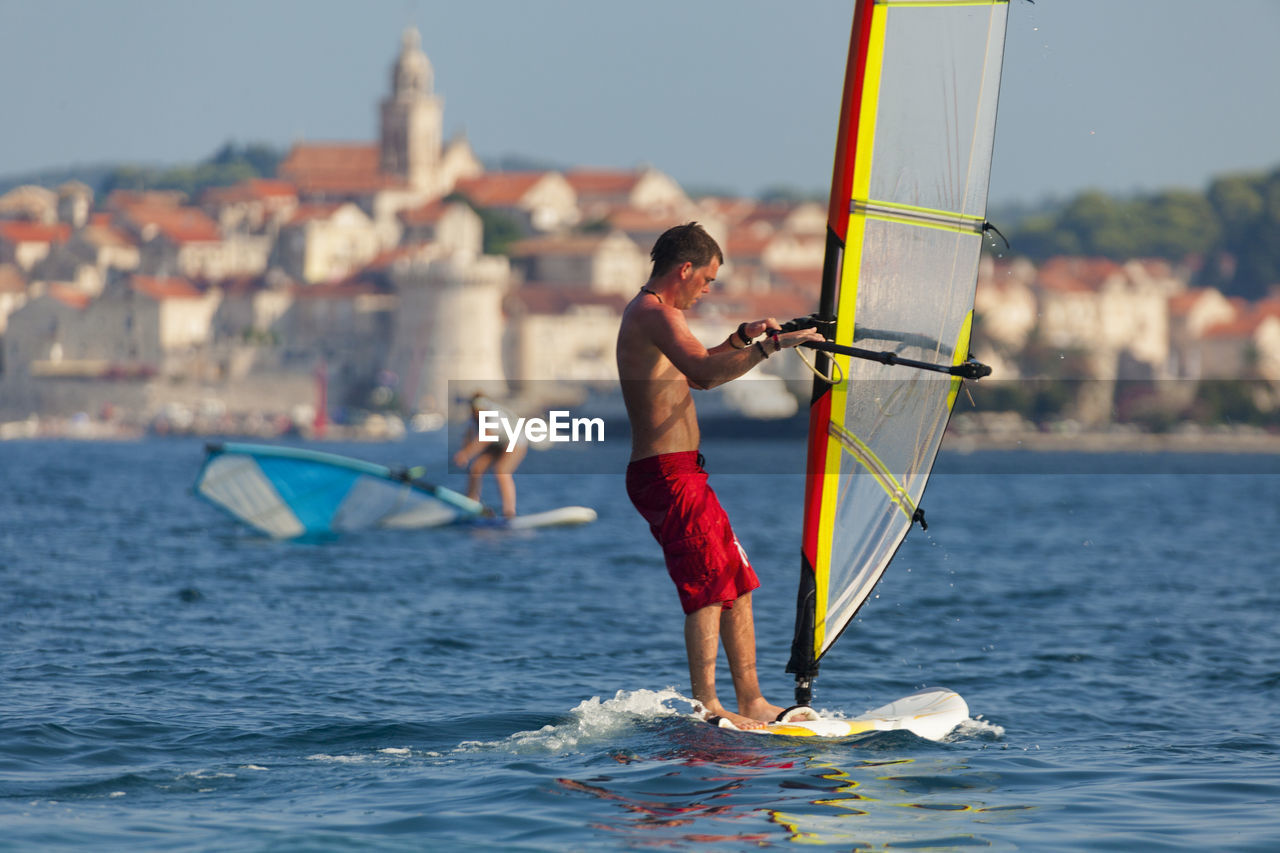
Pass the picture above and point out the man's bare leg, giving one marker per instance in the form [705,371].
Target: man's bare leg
[475,473]
[738,632]
[702,642]
[506,488]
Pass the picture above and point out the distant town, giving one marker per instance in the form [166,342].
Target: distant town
[363,289]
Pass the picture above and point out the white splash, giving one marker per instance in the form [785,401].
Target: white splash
[338,759]
[977,727]
[384,755]
[206,774]
[596,719]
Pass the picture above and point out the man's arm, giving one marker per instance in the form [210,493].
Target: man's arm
[706,368]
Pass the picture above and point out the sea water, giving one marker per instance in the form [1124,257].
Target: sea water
[172,680]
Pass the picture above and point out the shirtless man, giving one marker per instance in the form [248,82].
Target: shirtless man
[659,360]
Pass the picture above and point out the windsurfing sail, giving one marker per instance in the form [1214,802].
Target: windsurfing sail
[905,228]
[291,492]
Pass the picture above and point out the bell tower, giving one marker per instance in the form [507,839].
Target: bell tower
[411,119]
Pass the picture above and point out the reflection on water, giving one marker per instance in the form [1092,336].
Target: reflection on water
[719,794]
[878,809]
[645,815]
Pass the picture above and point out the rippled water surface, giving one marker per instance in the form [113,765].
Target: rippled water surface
[171,680]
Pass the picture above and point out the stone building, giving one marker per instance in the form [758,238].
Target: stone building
[26,243]
[326,242]
[540,201]
[601,263]
[601,191]
[448,327]
[451,225]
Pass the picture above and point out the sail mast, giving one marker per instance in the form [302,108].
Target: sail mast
[804,662]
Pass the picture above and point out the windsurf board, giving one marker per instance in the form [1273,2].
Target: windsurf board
[931,713]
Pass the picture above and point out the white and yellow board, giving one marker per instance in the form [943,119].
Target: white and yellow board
[932,714]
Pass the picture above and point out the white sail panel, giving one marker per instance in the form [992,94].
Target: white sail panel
[936,122]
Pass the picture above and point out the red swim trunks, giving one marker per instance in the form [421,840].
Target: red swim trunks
[703,556]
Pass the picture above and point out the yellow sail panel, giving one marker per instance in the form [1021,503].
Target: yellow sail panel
[914,204]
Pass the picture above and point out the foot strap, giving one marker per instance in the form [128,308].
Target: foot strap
[797,713]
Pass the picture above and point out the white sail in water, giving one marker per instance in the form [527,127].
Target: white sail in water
[905,230]
[290,492]
[295,493]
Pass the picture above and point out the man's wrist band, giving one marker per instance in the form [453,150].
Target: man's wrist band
[763,351]
[742,336]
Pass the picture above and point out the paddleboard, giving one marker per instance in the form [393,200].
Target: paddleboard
[565,516]
[931,713]
[431,516]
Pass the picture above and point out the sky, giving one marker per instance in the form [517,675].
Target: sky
[734,95]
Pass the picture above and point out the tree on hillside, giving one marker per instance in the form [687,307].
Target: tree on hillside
[1234,227]
[1246,260]
[230,164]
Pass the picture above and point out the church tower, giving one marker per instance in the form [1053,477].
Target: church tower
[411,119]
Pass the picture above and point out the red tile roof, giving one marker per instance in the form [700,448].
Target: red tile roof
[1246,324]
[499,189]
[634,219]
[336,167]
[122,199]
[253,189]
[188,225]
[103,233]
[242,285]
[1181,304]
[1075,275]
[348,289]
[743,244]
[20,231]
[603,182]
[69,295]
[161,288]
[178,224]
[428,214]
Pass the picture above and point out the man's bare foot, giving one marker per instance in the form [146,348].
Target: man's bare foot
[761,710]
[740,721]
[717,710]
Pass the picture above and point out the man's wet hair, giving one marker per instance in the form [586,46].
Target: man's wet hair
[688,242]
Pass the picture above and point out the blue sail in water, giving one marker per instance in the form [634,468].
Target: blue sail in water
[290,493]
